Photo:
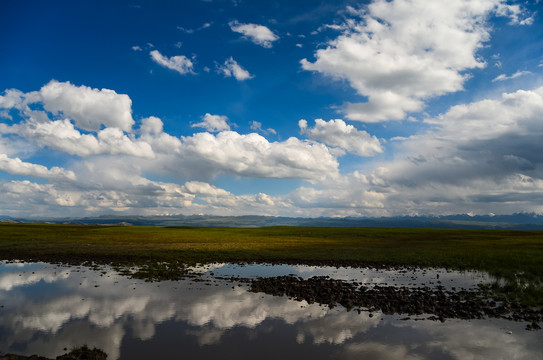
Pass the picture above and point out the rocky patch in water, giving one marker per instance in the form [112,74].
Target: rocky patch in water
[439,303]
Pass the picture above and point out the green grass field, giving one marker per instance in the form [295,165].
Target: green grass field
[516,256]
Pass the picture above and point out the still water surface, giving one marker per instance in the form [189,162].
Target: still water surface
[46,308]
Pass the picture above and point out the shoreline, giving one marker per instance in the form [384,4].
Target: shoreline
[513,258]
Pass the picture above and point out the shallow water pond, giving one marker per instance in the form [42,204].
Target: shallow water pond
[45,309]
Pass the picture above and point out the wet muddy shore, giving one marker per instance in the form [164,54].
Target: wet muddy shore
[436,303]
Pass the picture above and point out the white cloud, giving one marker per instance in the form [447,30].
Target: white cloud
[338,134]
[516,14]
[477,158]
[503,77]
[152,133]
[476,155]
[188,31]
[61,135]
[99,189]
[202,155]
[382,107]
[257,126]
[102,189]
[205,189]
[179,63]
[258,34]
[252,155]
[232,68]
[18,167]
[111,177]
[191,31]
[402,52]
[89,108]
[28,199]
[213,123]
[12,98]
[137,48]
[469,159]
[345,196]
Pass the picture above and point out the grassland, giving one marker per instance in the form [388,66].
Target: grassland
[516,256]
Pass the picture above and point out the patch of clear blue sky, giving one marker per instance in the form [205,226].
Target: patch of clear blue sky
[90,43]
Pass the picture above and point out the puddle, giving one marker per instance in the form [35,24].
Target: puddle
[46,308]
[408,277]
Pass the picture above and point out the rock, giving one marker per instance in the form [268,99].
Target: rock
[463,304]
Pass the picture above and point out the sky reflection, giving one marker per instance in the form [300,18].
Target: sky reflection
[46,308]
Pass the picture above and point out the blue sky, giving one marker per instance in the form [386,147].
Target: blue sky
[306,108]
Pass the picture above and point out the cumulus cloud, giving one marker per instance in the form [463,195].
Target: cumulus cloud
[348,195]
[253,156]
[400,53]
[88,108]
[205,189]
[476,155]
[152,132]
[98,189]
[470,158]
[258,34]
[85,108]
[232,68]
[483,157]
[28,199]
[18,167]
[382,107]
[113,174]
[202,155]
[338,134]
[12,98]
[213,123]
[179,63]
[119,188]
[61,135]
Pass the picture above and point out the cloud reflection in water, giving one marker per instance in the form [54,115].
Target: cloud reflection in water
[48,308]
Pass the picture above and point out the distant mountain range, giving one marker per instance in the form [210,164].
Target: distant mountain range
[521,221]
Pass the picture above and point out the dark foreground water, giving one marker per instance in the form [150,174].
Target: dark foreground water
[45,309]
